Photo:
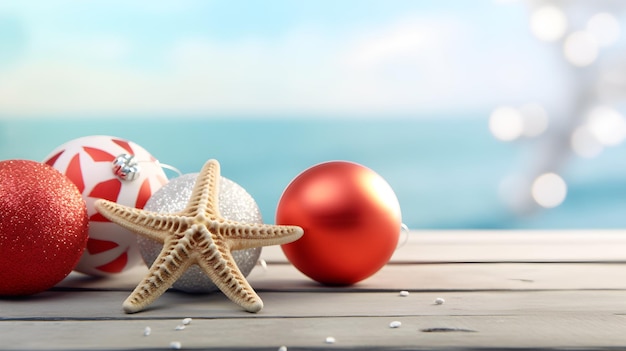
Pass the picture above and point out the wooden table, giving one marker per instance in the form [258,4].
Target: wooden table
[502,290]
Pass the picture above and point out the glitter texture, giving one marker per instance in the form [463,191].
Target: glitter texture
[234,204]
[43,227]
[197,235]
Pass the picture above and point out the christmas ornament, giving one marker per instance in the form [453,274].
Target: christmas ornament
[351,220]
[104,167]
[199,234]
[235,204]
[43,227]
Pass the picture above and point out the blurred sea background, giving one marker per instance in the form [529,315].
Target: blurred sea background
[479,114]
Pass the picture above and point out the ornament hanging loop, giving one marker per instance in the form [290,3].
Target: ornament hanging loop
[404,232]
[125,167]
[171,168]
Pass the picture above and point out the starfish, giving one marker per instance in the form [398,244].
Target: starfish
[196,235]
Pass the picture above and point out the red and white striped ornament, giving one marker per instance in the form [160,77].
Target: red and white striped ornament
[105,167]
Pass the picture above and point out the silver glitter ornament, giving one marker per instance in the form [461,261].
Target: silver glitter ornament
[234,204]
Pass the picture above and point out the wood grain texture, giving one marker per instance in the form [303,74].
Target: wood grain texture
[416,277]
[502,332]
[79,305]
[502,290]
[463,246]
[551,319]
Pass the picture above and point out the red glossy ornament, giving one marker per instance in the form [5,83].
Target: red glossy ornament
[351,220]
[43,227]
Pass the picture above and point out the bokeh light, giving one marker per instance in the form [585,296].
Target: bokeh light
[549,190]
[607,125]
[513,85]
[506,123]
[580,49]
[604,27]
[535,120]
[548,23]
[584,143]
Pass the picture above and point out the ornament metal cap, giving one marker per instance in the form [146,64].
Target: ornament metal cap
[126,167]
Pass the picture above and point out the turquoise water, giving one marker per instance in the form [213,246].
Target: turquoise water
[445,172]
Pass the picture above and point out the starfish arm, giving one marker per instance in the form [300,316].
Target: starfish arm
[219,265]
[204,196]
[245,236]
[171,263]
[148,224]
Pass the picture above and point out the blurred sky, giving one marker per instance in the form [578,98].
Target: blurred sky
[256,58]
[541,76]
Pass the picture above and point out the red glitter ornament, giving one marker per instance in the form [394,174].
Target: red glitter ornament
[43,227]
[351,220]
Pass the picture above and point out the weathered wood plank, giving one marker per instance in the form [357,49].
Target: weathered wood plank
[481,332]
[503,246]
[495,284]
[416,277]
[454,247]
[442,277]
[106,305]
